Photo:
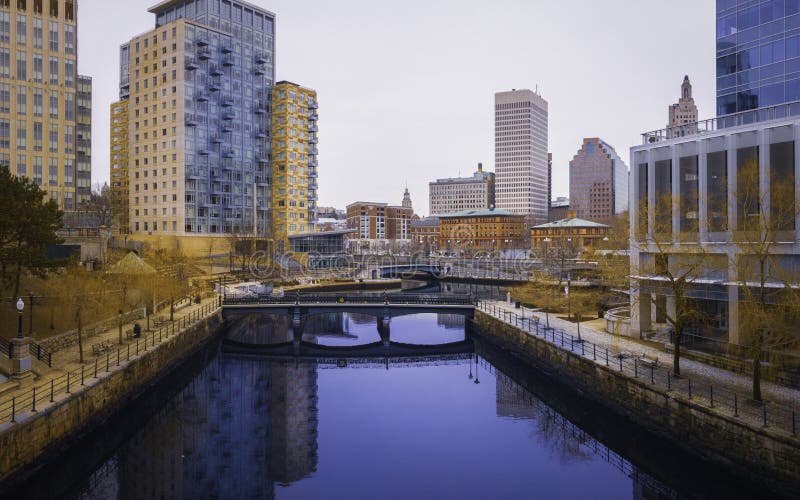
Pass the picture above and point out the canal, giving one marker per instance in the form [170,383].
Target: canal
[456,426]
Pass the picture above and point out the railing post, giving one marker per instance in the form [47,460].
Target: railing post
[711,394]
[652,374]
[764,405]
[95,367]
[669,382]
[67,382]
[117,357]
[620,364]
[14,409]
[794,423]
[83,379]
[606,356]
[735,405]
[690,387]
[33,404]
[635,369]
[594,352]
[108,355]
[52,383]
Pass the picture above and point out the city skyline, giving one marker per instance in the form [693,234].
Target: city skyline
[378,96]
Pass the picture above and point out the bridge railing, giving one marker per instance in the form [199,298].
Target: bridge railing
[361,298]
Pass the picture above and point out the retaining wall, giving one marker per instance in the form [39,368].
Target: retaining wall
[52,428]
[754,452]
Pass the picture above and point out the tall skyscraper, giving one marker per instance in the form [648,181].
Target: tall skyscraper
[83,148]
[758,54]
[683,114]
[521,165]
[294,161]
[38,71]
[198,89]
[598,182]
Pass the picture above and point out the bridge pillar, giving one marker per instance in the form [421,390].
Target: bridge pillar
[383,329]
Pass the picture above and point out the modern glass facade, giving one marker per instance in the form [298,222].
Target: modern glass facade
[206,116]
[598,182]
[758,54]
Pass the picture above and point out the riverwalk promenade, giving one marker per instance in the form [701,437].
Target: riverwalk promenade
[715,388]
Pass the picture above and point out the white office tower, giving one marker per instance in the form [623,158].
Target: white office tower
[520,131]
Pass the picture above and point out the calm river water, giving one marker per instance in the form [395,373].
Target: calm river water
[247,427]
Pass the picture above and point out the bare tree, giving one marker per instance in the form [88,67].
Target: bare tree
[768,303]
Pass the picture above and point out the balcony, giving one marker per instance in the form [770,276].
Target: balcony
[228,115]
[313,116]
[217,139]
[313,105]
[262,180]
[191,121]
[204,54]
[203,151]
[202,41]
[312,128]
[312,162]
[262,157]
[193,172]
[226,101]
[200,96]
[191,63]
[261,133]
[262,58]
[226,48]
[312,173]
[228,153]
[228,61]
[260,109]
[259,70]
[226,127]
[313,151]
[215,70]
[214,85]
[313,140]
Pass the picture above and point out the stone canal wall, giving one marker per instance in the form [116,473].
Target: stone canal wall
[755,452]
[35,436]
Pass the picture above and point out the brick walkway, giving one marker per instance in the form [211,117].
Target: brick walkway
[782,400]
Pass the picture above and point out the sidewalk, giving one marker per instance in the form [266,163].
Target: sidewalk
[735,382]
[68,359]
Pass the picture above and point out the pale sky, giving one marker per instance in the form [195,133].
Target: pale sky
[406,89]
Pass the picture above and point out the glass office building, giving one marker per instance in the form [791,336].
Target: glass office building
[758,54]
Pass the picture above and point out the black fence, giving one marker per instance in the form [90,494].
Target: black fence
[697,390]
[340,298]
[106,361]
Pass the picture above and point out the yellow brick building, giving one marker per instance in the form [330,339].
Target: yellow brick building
[38,104]
[119,165]
[294,161]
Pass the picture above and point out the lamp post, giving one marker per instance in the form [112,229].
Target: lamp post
[20,307]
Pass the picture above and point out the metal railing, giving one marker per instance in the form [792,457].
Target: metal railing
[695,390]
[73,381]
[5,347]
[777,112]
[291,298]
[41,353]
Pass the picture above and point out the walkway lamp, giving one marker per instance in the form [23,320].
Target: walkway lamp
[470,367]
[476,370]
[20,307]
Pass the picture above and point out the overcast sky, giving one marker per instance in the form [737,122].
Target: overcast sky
[406,89]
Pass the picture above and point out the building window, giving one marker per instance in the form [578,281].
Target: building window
[22,29]
[5,98]
[22,100]
[53,36]
[747,189]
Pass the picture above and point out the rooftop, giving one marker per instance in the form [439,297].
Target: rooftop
[166,4]
[777,112]
[322,234]
[573,222]
[483,212]
[426,222]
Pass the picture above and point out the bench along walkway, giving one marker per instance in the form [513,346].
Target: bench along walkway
[702,384]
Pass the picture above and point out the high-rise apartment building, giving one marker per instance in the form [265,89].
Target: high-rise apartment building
[598,182]
[294,161]
[521,164]
[119,166]
[758,54]
[456,194]
[198,88]
[83,148]
[38,102]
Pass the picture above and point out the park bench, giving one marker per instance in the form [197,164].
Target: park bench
[650,360]
[101,347]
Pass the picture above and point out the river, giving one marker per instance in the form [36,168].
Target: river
[456,426]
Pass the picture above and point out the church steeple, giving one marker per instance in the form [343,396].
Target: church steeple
[406,199]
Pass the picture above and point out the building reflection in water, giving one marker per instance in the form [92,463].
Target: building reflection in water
[223,440]
[568,442]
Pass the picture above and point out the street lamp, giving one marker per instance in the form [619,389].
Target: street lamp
[20,307]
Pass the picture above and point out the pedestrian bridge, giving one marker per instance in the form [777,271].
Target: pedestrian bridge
[381,305]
